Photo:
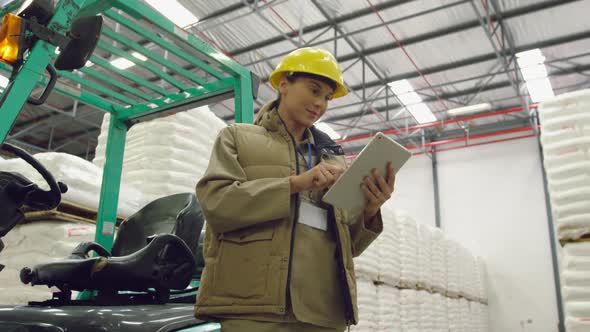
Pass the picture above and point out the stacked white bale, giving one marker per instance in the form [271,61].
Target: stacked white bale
[410,311]
[481,279]
[465,315]
[425,263]
[441,323]
[82,177]
[474,315]
[576,283]
[452,253]
[483,317]
[388,247]
[427,314]
[439,261]
[566,145]
[454,315]
[367,306]
[408,250]
[467,266]
[34,243]
[366,266]
[388,308]
[166,155]
[485,320]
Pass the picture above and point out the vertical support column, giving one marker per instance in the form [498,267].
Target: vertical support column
[244,102]
[435,188]
[111,182]
[552,239]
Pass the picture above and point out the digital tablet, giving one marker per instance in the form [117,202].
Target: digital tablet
[346,193]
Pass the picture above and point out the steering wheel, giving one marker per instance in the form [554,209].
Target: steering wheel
[24,191]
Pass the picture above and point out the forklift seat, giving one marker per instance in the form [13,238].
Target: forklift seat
[157,248]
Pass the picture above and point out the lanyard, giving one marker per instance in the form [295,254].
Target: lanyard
[308,160]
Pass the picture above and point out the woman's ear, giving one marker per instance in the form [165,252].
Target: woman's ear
[283,84]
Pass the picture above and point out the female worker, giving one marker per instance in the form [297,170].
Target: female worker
[276,257]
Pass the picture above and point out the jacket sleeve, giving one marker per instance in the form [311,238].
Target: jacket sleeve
[229,201]
[361,236]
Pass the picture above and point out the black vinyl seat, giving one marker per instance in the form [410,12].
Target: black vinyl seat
[157,247]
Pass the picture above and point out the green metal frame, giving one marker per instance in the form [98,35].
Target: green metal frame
[222,79]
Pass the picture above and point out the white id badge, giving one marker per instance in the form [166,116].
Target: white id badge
[313,216]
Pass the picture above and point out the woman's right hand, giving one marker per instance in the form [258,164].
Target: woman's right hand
[320,177]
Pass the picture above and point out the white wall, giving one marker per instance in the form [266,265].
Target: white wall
[414,190]
[492,201]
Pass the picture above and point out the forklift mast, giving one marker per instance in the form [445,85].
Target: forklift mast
[202,75]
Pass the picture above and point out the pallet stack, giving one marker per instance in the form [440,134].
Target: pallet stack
[421,280]
[565,137]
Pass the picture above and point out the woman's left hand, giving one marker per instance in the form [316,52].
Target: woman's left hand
[377,190]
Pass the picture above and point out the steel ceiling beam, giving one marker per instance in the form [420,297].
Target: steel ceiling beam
[470,61]
[505,57]
[482,58]
[490,87]
[457,133]
[371,27]
[319,26]
[437,33]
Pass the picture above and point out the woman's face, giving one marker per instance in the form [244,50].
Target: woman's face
[306,99]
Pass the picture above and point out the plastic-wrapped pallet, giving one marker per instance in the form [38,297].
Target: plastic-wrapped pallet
[566,145]
[82,177]
[467,267]
[408,250]
[576,281]
[366,266]
[367,306]
[481,279]
[410,311]
[465,315]
[485,319]
[427,315]
[474,315]
[388,247]
[425,256]
[463,268]
[34,243]
[439,261]
[166,155]
[452,252]
[454,315]
[388,311]
[441,323]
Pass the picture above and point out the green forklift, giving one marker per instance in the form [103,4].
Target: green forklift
[142,274]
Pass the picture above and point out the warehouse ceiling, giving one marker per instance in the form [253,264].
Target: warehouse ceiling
[452,54]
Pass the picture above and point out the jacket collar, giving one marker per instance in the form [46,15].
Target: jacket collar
[268,117]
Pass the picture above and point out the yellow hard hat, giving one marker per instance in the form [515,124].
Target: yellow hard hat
[311,60]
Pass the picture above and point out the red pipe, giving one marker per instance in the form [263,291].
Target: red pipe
[481,143]
[464,139]
[438,123]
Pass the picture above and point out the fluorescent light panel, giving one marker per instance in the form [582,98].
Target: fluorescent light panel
[328,130]
[412,101]
[122,63]
[471,109]
[174,11]
[534,72]
[139,56]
